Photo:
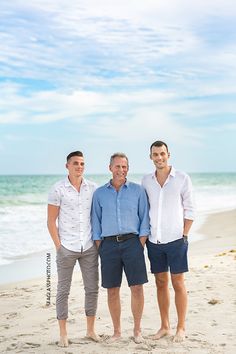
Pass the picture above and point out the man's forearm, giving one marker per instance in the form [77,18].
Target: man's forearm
[54,235]
[97,242]
[143,240]
[187,226]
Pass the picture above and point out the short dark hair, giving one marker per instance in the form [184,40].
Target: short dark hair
[118,154]
[158,143]
[74,153]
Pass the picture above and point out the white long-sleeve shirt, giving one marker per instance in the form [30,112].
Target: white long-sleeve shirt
[169,205]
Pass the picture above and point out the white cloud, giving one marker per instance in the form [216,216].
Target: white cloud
[119,70]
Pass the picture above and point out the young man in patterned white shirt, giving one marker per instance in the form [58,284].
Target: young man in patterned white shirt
[69,205]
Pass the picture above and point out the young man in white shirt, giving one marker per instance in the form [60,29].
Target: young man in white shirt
[171,216]
[69,206]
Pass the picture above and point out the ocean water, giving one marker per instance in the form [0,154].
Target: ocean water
[23,208]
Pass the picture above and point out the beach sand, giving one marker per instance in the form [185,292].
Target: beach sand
[29,326]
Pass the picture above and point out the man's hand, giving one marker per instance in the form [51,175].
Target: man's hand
[98,242]
[143,240]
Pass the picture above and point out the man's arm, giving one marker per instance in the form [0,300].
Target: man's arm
[97,243]
[188,205]
[143,240]
[187,226]
[96,216]
[53,212]
[144,217]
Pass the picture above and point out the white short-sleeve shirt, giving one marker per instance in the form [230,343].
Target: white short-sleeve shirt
[74,219]
[169,205]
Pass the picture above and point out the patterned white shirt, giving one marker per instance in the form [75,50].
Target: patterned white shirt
[169,205]
[74,219]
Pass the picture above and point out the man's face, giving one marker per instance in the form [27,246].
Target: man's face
[159,156]
[75,166]
[119,169]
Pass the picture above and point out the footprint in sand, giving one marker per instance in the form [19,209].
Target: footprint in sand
[214,301]
[20,345]
[11,315]
[5,326]
[71,320]
[12,346]
[52,319]
[27,345]
[6,295]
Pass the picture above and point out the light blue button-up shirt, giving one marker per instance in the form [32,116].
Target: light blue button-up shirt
[122,212]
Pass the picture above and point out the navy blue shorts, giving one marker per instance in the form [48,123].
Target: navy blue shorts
[127,255]
[171,255]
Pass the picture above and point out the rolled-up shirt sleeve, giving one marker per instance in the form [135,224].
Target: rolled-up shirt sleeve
[96,215]
[144,214]
[188,199]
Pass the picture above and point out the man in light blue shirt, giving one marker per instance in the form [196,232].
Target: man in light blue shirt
[120,226]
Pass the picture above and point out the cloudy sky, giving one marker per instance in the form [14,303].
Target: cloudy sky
[105,76]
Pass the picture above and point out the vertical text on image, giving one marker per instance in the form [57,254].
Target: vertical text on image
[48,279]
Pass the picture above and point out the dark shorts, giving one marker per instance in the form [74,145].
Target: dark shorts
[171,255]
[127,255]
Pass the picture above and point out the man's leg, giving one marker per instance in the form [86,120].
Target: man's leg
[137,303]
[91,333]
[113,295]
[65,266]
[163,298]
[181,305]
[89,268]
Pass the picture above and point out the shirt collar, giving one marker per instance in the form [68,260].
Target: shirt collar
[109,185]
[68,184]
[172,173]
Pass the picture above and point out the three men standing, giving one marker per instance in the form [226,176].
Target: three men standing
[120,228]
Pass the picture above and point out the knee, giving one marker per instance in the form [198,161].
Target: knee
[91,293]
[161,283]
[178,284]
[137,290]
[113,293]
[63,289]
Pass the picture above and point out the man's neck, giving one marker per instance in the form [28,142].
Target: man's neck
[117,184]
[163,171]
[76,181]
[162,174]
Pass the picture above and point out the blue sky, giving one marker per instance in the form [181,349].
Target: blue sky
[105,76]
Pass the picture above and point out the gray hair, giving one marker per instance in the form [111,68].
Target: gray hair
[118,154]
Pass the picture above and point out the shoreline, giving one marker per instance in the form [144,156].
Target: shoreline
[29,326]
[27,268]
[34,266]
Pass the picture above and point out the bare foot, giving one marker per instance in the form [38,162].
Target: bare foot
[93,336]
[63,342]
[161,333]
[179,336]
[113,339]
[138,339]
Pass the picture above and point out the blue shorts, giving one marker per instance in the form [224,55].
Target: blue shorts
[171,255]
[127,255]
